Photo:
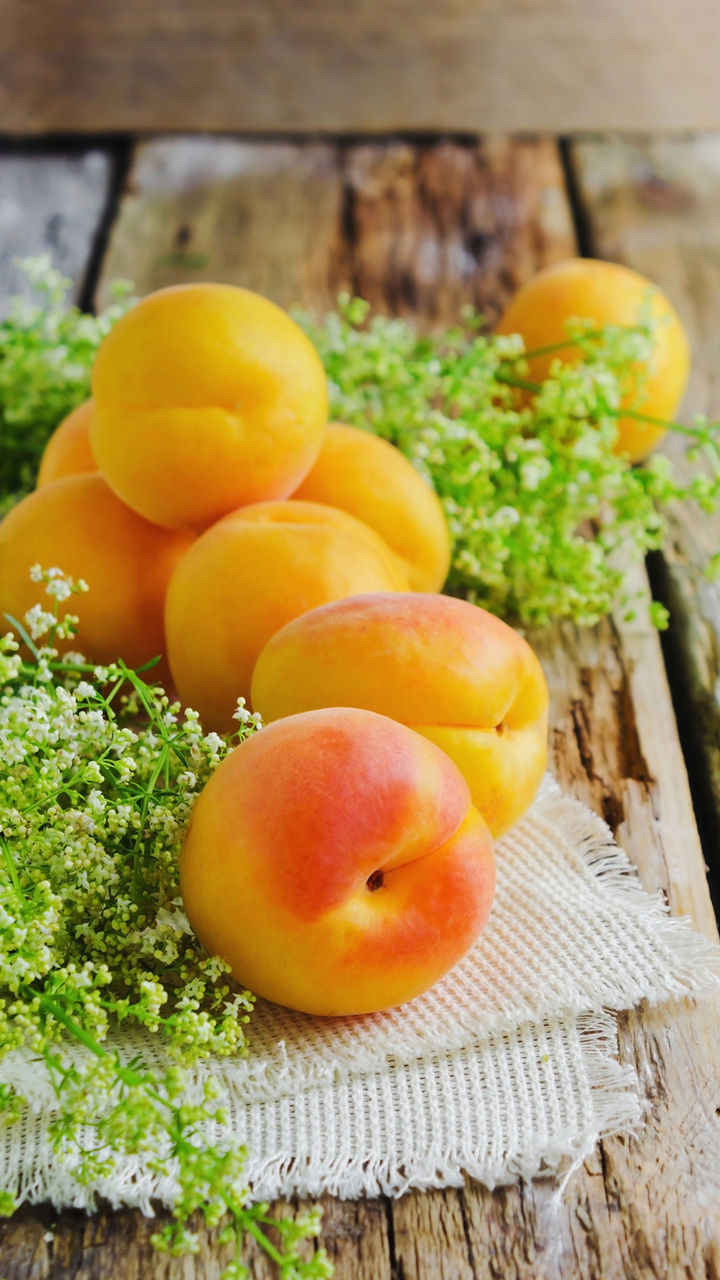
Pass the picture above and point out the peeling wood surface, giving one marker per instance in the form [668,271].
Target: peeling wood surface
[646,1206]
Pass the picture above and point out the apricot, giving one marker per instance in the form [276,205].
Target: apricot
[335,860]
[454,673]
[207,397]
[608,294]
[374,481]
[247,576]
[68,451]
[78,525]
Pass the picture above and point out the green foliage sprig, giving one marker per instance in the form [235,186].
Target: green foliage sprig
[98,775]
[46,352]
[545,516]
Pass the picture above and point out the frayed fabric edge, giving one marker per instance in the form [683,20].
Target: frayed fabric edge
[40,1175]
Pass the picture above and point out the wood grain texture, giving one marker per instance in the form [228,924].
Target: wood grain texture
[471,65]
[644,1206]
[50,203]
[218,208]
[433,228]
[417,230]
[653,203]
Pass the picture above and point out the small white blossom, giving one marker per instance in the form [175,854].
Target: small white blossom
[96,801]
[75,659]
[175,920]
[507,516]
[59,589]
[39,621]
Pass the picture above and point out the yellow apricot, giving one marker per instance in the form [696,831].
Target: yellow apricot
[608,294]
[247,576]
[445,668]
[77,524]
[208,397]
[374,481]
[68,451]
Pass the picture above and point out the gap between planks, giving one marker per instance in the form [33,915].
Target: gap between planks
[57,201]
[652,203]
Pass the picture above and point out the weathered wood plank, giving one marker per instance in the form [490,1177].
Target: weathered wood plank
[268,217]
[653,204]
[646,1206]
[416,230]
[431,229]
[512,65]
[50,202]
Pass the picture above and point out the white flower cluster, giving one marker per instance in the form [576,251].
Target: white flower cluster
[94,802]
[99,772]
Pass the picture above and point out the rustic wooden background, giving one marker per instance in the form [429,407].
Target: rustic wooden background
[420,227]
[369,66]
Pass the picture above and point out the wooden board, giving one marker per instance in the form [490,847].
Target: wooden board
[276,65]
[653,203]
[416,230]
[50,202]
[210,209]
[645,1206]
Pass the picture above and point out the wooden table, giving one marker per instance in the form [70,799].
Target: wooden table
[420,228]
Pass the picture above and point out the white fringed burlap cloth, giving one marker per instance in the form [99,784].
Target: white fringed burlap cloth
[508,1068]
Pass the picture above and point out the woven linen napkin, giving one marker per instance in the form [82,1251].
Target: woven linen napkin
[507,1068]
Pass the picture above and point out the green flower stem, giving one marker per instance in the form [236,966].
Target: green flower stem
[712,456]
[66,788]
[17,626]
[696,433]
[513,380]
[258,1234]
[568,343]
[12,871]
[137,854]
[79,1033]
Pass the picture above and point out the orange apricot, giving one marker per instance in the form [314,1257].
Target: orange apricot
[336,862]
[68,452]
[208,397]
[247,576]
[608,294]
[374,481]
[452,672]
[78,525]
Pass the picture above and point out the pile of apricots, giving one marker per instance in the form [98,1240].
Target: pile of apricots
[342,858]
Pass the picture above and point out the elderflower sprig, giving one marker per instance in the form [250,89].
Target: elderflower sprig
[538,504]
[99,772]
